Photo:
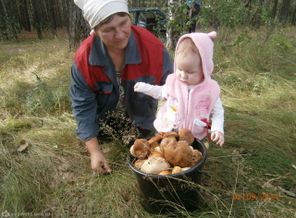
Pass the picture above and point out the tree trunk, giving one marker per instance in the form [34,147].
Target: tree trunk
[51,7]
[24,16]
[37,22]
[169,33]
[293,21]
[65,12]
[176,22]
[78,27]
[284,13]
[5,30]
[274,9]
[58,13]
[30,13]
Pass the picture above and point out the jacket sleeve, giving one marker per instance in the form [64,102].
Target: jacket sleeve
[167,66]
[152,90]
[84,106]
[217,117]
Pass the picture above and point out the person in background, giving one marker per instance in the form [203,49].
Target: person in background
[191,97]
[193,11]
[106,66]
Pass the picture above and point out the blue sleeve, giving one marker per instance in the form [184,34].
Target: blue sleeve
[84,106]
[167,65]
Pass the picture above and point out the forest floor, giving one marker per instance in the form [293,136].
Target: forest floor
[44,168]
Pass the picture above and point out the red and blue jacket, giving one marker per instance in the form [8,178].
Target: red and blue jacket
[94,87]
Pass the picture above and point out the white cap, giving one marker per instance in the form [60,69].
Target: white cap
[95,11]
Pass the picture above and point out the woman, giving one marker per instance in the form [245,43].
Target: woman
[107,65]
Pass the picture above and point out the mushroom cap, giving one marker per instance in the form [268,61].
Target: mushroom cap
[155,165]
[138,163]
[186,134]
[140,149]
[156,138]
[196,156]
[165,172]
[169,134]
[158,149]
[154,141]
[168,142]
[181,155]
[156,154]
[176,169]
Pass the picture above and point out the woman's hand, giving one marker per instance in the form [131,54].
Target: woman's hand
[98,162]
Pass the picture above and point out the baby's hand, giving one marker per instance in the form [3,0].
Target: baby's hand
[142,87]
[152,90]
[217,137]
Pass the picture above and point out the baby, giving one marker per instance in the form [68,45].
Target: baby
[192,97]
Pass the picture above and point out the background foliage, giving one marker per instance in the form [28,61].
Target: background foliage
[50,15]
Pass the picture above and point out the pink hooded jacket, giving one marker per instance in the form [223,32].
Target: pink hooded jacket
[190,107]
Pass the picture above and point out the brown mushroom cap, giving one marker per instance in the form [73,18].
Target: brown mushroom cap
[169,134]
[156,154]
[185,134]
[181,155]
[138,163]
[176,169]
[196,157]
[165,172]
[168,142]
[156,138]
[140,149]
[154,141]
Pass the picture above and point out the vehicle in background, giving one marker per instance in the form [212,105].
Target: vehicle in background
[152,19]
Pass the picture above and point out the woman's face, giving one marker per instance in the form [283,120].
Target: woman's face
[116,32]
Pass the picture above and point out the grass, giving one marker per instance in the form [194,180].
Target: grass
[256,71]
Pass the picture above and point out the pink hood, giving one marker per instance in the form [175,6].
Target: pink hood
[205,45]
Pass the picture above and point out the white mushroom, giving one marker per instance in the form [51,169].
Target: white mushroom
[155,165]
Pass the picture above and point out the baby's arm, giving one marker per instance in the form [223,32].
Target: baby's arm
[152,90]
[217,117]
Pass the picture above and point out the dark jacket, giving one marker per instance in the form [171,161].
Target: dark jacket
[94,87]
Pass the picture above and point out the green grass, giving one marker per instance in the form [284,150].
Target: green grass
[256,70]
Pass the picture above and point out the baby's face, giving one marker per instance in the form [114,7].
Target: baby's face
[189,66]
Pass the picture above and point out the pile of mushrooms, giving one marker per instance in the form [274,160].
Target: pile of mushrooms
[166,153]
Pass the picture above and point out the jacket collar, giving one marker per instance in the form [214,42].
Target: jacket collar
[99,56]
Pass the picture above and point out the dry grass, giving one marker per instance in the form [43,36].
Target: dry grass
[52,176]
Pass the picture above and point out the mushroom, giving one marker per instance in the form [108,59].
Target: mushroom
[196,156]
[155,165]
[176,169]
[170,141]
[154,141]
[140,149]
[179,155]
[138,163]
[165,172]
[185,134]
[156,154]
[170,134]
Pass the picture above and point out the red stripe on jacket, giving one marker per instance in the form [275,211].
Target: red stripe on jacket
[151,51]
